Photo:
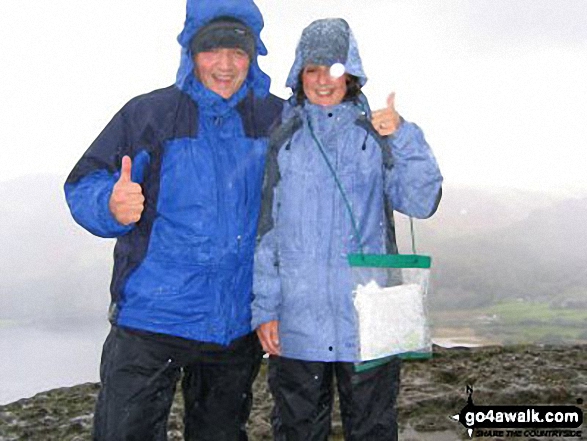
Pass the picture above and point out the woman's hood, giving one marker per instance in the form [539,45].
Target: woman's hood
[327,42]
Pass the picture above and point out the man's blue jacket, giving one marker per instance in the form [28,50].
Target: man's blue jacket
[185,269]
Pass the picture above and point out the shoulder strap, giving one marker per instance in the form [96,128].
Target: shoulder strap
[279,135]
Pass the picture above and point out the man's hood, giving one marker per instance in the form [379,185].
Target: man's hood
[331,41]
[201,12]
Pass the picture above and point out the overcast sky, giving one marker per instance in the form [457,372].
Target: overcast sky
[499,86]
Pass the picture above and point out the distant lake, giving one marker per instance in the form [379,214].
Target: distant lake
[36,358]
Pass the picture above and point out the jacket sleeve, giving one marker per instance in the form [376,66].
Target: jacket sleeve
[414,183]
[90,183]
[88,202]
[266,278]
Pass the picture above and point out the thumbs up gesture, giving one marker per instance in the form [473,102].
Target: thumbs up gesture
[386,121]
[127,201]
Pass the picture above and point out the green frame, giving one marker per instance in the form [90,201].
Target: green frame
[406,356]
[390,260]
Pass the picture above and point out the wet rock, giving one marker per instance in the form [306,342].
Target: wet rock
[431,391]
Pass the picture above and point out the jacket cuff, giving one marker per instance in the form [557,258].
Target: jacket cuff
[108,222]
[403,134]
[88,202]
[260,317]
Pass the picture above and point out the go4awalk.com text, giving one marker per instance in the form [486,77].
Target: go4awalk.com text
[530,421]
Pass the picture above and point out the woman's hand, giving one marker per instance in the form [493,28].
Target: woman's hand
[269,336]
[386,121]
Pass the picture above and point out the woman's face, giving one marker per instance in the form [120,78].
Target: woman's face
[321,88]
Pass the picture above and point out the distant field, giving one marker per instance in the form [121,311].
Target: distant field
[515,311]
[6,323]
[516,322]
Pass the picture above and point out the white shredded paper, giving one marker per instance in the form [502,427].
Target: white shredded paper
[391,320]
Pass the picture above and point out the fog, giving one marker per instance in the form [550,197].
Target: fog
[53,291]
[38,357]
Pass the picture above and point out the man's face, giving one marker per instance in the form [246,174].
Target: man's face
[320,87]
[222,70]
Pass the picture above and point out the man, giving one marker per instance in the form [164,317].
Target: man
[176,177]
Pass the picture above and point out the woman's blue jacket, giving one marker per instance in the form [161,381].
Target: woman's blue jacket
[302,276]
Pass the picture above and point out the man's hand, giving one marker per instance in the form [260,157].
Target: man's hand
[269,335]
[386,121]
[126,201]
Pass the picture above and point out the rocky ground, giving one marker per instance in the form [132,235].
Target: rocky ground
[431,391]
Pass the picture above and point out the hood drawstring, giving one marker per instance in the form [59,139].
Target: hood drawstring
[288,146]
[364,147]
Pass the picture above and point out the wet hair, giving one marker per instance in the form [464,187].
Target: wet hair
[353,88]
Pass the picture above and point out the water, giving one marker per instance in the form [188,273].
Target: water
[36,358]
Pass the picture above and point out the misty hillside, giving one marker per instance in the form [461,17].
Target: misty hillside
[540,258]
[466,211]
[486,245]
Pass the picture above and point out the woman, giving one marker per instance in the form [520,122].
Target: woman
[303,310]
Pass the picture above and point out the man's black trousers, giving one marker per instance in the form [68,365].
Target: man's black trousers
[139,372]
[303,393]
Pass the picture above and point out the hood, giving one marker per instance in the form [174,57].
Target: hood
[327,41]
[201,12]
